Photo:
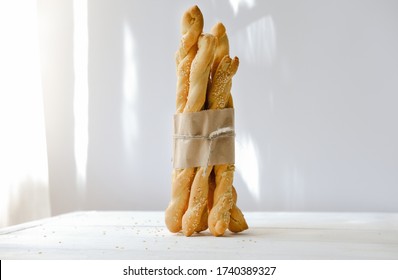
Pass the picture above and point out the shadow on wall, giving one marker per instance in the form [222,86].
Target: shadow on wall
[128,93]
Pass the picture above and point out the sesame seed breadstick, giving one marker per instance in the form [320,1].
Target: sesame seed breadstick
[200,71]
[220,89]
[181,184]
[219,217]
[205,214]
[217,98]
[237,220]
[194,219]
[220,32]
[183,72]
[191,28]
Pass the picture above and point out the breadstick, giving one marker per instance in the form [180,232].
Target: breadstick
[181,184]
[219,216]
[200,71]
[219,92]
[217,97]
[224,214]
[199,75]
[193,219]
[237,222]
[183,72]
[220,32]
[191,28]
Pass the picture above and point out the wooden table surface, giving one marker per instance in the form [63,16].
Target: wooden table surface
[143,235]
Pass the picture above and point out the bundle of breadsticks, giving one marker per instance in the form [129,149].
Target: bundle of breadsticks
[202,193]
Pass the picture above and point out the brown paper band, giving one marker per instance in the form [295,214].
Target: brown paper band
[204,138]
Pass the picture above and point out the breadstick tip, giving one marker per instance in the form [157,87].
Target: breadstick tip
[218,30]
[192,16]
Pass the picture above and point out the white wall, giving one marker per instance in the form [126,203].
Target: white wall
[316,99]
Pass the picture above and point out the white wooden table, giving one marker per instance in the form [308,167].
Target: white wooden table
[143,235]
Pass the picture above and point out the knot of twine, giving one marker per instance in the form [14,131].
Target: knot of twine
[221,132]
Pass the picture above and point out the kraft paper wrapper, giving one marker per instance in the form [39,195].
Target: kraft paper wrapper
[204,138]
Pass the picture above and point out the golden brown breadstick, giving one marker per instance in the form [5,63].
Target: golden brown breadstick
[200,71]
[220,32]
[219,216]
[219,91]
[191,28]
[183,72]
[237,222]
[193,218]
[181,184]
[217,98]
